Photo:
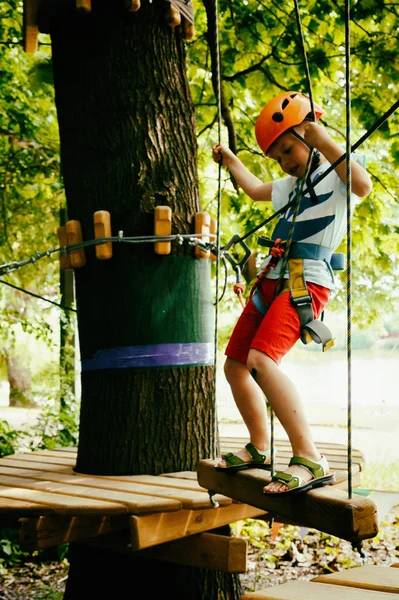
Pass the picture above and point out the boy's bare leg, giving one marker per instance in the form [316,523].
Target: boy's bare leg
[287,404]
[251,403]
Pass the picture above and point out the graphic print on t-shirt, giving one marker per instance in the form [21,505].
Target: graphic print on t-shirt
[305,228]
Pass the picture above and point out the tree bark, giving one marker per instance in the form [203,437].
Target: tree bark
[128,144]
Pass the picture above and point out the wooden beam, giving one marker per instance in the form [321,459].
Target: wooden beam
[30,26]
[45,532]
[204,551]
[327,509]
[369,577]
[150,530]
[301,590]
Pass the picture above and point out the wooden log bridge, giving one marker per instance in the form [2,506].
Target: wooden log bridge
[327,509]
[361,583]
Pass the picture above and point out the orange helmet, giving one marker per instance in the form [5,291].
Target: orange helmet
[280,114]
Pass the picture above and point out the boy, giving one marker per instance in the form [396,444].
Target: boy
[286,132]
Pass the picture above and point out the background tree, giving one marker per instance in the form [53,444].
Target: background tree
[127,131]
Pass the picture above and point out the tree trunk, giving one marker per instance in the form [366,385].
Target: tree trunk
[128,144]
[19,379]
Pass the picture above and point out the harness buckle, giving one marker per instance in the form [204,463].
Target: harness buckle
[301,300]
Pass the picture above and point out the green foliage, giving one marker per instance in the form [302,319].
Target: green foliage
[10,439]
[261,56]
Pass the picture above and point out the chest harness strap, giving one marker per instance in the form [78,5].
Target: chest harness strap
[311,329]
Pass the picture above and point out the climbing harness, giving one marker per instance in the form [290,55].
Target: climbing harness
[311,329]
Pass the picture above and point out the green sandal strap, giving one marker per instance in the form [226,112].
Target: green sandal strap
[232,460]
[290,481]
[255,454]
[314,468]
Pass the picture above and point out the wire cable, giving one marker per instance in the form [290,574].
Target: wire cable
[218,218]
[349,235]
[15,287]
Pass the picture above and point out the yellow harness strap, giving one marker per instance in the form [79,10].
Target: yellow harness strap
[311,329]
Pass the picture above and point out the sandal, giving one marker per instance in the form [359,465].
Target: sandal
[235,463]
[317,469]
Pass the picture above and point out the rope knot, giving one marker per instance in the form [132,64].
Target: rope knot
[277,251]
[239,288]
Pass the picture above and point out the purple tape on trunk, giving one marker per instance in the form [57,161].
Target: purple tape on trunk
[151,355]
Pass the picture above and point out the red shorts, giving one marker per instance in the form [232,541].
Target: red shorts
[278,330]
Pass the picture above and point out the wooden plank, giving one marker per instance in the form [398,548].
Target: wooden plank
[30,26]
[204,551]
[38,466]
[190,499]
[284,453]
[22,507]
[45,532]
[283,442]
[149,530]
[301,590]
[133,503]
[62,504]
[369,577]
[182,475]
[159,480]
[41,458]
[327,509]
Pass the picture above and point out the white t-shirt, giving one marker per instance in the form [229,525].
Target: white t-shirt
[322,222]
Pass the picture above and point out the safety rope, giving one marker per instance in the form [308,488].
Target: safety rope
[193,239]
[19,289]
[218,217]
[349,236]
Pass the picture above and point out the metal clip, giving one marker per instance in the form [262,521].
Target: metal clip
[236,265]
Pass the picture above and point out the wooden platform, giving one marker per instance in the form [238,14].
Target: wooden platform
[362,583]
[327,509]
[51,504]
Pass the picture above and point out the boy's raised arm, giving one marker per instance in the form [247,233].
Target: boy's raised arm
[317,137]
[252,186]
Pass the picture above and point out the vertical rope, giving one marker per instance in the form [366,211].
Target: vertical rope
[305,58]
[310,158]
[219,198]
[349,237]
[272,445]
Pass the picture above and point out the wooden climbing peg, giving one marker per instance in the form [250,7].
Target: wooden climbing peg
[65,262]
[213,229]
[30,26]
[162,226]
[74,236]
[83,5]
[102,229]
[132,5]
[172,15]
[188,30]
[202,226]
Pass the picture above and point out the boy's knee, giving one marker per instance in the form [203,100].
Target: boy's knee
[232,368]
[258,362]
